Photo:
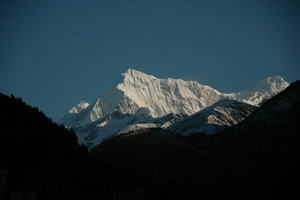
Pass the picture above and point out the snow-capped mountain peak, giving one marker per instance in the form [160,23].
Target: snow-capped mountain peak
[271,85]
[214,118]
[262,90]
[164,96]
[132,74]
[79,107]
[144,97]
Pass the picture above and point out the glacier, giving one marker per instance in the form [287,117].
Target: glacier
[138,100]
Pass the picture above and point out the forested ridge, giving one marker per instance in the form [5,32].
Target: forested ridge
[257,159]
[41,160]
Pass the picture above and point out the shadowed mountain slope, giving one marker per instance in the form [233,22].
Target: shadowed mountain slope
[253,160]
[41,160]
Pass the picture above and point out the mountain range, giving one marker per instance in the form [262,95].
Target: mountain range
[40,160]
[257,158]
[254,159]
[138,100]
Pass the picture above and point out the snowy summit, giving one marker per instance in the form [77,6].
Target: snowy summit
[139,98]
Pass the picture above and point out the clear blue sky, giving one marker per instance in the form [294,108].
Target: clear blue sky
[55,53]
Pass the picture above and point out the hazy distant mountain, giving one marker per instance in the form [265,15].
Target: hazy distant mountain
[139,100]
[214,118]
[262,90]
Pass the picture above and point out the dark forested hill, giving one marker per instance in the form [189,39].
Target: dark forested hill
[40,160]
[257,159]
[264,148]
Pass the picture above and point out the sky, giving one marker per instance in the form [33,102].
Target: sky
[56,53]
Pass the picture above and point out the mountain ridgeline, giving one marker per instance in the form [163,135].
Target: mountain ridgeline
[213,119]
[139,100]
[255,157]
[41,160]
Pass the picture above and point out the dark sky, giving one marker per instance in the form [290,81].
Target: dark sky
[55,53]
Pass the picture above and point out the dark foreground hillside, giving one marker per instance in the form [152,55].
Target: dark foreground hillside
[258,159]
[40,160]
[264,148]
